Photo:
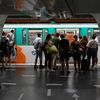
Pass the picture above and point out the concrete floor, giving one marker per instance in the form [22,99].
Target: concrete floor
[24,83]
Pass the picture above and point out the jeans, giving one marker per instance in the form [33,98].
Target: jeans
[92,53]
[38,55]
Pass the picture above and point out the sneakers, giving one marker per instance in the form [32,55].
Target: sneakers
[40,67]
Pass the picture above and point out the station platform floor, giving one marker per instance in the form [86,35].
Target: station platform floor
[20,82]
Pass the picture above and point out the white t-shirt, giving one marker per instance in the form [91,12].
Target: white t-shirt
[11,36]
[36,41]
[96,39]
[92,44]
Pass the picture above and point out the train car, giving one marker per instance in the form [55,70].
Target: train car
[26,28]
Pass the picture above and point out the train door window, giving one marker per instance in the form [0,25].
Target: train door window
[24,37]
[61,31]
[90,32]
[44,34]
[32,35]
[67,32]
[69,36]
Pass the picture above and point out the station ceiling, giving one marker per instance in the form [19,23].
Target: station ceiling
[45,9]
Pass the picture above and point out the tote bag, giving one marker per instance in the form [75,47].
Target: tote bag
[52,49]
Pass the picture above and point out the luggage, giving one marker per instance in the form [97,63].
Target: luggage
[85,64]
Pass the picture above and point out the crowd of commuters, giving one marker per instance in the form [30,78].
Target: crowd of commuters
[7,48]
[58,48]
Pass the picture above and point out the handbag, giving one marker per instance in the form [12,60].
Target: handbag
[52,49]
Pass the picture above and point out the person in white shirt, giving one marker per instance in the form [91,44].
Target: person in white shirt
[38,47]
[12,50]
[92,50]
[11,34]
[96,39]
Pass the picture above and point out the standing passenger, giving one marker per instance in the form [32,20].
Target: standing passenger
[56,41]
[4,47]
[63,51]
[47,55]
[92,50]
[83,44]
[10,37]
[97,52]
[38,47]
[75,46]
[80,38]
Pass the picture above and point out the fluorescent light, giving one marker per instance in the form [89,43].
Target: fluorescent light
[69,25]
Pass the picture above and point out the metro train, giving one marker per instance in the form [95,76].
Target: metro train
[26,29]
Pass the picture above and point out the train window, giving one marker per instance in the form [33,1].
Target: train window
[44,34]
[69,36]
[24,37]
[32,35]
[61,31]
[69,33]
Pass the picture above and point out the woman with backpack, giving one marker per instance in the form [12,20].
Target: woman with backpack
[38,47]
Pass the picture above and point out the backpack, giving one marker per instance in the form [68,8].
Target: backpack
[37,45]
[52,49]
[4,41]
